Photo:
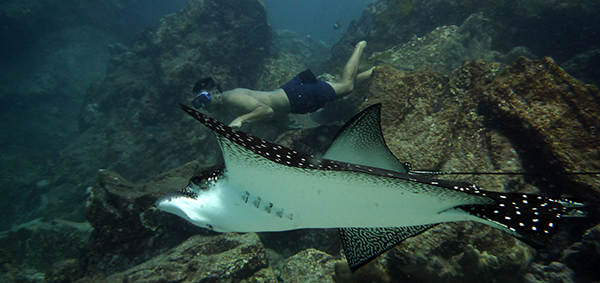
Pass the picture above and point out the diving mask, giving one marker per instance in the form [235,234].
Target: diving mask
[201,99]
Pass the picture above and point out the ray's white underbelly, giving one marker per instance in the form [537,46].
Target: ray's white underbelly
[262,202]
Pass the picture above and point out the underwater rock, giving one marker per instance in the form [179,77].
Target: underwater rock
[436,122]
[372,272]
[585,66]
[127,228]
[513,54]
[553,122]
[38,245]
[554,272]
[227,40]
[312,140]
[288,243]
[460,252]
[430,120]
[308,266]
[10,273]
[583,257]
[291,54]
[65,271]
[443,49]
[452,123]
[310,50]
[227,257]
[388,23]
[279,69]
[445,123]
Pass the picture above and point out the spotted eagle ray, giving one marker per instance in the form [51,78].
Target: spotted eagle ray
[358,186]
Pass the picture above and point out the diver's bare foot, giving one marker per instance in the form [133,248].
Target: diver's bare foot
[361,44]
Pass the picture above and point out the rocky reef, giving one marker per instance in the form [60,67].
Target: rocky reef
[443,49]
[582,257]
[132,108]
[34,247]
[552,120]
[494,112]
[145,82]
[224,258]
[528,117]
[460,252]
[479,118]
[559,29]
[474,126]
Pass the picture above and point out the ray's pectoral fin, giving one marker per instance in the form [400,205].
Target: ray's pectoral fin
[362,245]
[361,142]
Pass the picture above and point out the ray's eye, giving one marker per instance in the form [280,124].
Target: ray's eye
[197,181]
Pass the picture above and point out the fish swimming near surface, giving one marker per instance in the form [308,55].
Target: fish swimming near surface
[358,186]
[337,25]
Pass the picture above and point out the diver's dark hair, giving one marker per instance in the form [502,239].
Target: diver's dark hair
[206,85]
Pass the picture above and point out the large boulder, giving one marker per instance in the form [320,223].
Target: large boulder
[133,241]
[309,265]
[583,256]
[534,24]
[553,122]
[225,258]
[438,122]
[135,106]
[131,122]
[530,117]
[36,247]
[443,49]
[128,230]
[460,252]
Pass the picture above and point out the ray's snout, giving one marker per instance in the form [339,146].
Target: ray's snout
[166,198]
[173,203]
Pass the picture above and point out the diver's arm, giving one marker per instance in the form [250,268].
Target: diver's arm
[259,113]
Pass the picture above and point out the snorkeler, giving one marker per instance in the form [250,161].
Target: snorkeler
[303,94]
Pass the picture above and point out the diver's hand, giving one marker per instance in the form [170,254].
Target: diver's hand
[236,124]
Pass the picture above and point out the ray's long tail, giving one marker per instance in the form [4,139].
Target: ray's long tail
[533,219]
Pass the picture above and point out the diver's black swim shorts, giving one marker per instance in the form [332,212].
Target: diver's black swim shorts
[307,94]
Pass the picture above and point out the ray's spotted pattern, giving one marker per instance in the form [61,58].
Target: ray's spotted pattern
[377,201]
[523,214]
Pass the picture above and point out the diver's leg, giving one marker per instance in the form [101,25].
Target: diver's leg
[351,67]
[346,85]
[364,76]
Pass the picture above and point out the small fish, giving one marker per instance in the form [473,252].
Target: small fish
[337,25]
[358,186]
